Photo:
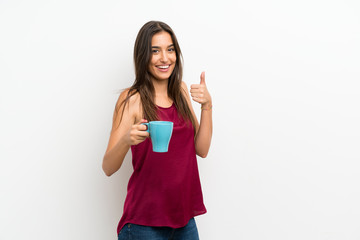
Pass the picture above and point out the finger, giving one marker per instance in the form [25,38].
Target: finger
[141,121]
[197,99]
[202,78]
[198,95]
[139,140]
[197,90]
[141,127]
[142,135]
[195,86]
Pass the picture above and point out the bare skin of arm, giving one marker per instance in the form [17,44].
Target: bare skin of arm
[200,94]
[124,134]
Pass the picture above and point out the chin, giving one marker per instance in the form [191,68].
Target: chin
[161,77]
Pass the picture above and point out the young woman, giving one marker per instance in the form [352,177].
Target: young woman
[164,192]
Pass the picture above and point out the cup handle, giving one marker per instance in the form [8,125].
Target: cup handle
[147,126]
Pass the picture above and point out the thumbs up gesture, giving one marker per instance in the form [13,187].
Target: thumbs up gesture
[200,94]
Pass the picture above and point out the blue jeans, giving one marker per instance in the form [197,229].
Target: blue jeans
[139,232]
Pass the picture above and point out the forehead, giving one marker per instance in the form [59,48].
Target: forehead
[161,39]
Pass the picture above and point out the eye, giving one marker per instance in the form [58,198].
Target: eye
[171,49]
[154,50]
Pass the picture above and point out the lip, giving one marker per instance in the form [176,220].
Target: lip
[163,69]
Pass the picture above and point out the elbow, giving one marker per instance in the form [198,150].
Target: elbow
[201,151]
[106,170]
[202,148]
[109,167]
[202,154]
[108,174]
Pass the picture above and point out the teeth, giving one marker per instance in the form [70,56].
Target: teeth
[164,67]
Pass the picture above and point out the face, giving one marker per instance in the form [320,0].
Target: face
[163,57]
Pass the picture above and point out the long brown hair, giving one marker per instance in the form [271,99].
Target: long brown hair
[143,84]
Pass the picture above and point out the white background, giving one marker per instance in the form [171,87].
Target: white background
[284,77]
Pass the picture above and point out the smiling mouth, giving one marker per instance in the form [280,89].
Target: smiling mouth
[163,66]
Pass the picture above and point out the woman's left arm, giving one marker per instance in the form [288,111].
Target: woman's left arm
[200,94]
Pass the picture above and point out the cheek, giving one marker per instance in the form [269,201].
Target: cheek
[152,63]
[175,63]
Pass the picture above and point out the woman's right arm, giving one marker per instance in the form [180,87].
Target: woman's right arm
[124,133]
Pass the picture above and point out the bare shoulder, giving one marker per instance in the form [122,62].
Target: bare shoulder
[185,90]
[129,104]
[131,98]
[184,86]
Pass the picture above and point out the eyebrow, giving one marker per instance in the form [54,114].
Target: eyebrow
[171,45]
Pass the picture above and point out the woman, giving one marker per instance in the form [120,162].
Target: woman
[164,192]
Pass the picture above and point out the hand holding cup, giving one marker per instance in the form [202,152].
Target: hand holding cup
[138,133]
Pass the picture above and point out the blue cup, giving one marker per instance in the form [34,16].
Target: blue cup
[160,134]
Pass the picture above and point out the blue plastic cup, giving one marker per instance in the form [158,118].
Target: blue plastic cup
[160,134]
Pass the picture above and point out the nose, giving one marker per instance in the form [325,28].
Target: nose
[164,56]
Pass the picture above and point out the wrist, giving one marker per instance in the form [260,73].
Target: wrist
[206,106]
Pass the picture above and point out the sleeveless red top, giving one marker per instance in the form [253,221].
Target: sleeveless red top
[164,189]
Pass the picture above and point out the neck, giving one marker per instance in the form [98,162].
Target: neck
[161,87]
[161,93]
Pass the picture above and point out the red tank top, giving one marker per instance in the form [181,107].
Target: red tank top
[164,189]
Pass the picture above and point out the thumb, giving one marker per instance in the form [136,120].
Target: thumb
[142,121]
[202,78]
